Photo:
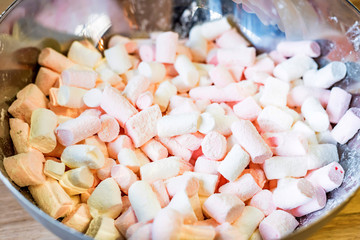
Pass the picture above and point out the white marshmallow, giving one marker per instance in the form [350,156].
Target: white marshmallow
[273,119]
[197,44]
[275,92]
[234,163]
[279,167]
[118,58]
[163,94]
[83,155]
[207,182]
[78,53]
[71,97]
[326,76]
[173,125]
[92,98]
[320,155]
[154,71]
[214,29]
[315,114]
[181,203]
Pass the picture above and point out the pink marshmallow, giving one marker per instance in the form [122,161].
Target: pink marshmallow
[308,48]
[247,109]
[339,102]
[135,87]
[142,126]
[190,141]
[277,57]
[248,137]
[166,45]
[277,225]
[105,171]
[205,165]
[46,79]
[147,52]
[223,207]
[82,78]
[214,146]
[220,76]
[175,148]
[160,190]
[263,201]
[154,150]
[231,39]
[288,143]
[125,220]
[77,129]
[236,72]
[299,94]
[145,100]
[328,177]
[186,183]
[316,203]
[139,231]
[109,128]
[243,56]
[123,176]
[122,141]
[347,126]
[244,187]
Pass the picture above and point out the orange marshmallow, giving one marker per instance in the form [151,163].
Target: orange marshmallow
[46,79]
[109,128]
[79,77]
[125,220]
[122,141]
[79,218]
[96,141]
[105,171]
[55,61]
[160,190]
[19,132]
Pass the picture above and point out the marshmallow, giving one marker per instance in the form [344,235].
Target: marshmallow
[167,224]
[173,125]
[103,227]
[147,52]
[80,54]
[279,167]
[288,143]
[304,130]
[77,181]
[248,137]
[43,124]
[71,97]
[325,137]
[315,114]
[144,100]
[175,149]
[28,99]
[163,94]
[128,158]
[248,221]
[54,169]
[294,67]
[208,182]
[125,220]
[131,46]
[135,87]
[244,187]
[79,77]
[106,200]
[181,203]
[263,63]
[25,168]
[234,163]
[106,74]
[308,48]
[273,119]
[205,165]
[326,76]
[263,201]
[95,141]
[51,198]
[57,62]
[122,141]
[19,133]
[277,225]
[142,126]
[123,176]
[291,193]
[166,44]
[320,155]
[109,128]
[207,123]
[159,189]
[328,177]
[164,169]
[154,150]
[231,39]
[339,102]
[299,94]
[46,79]
[77,129]
[188,74]
[226,231]
[105,171]
[154,71]
[247,109]
[197,44]
[223,207]
[220,76]
[276,56]
[118,58]
[79,218]
[316,203]
[189,184]
[144,201]
[83,155]
[92,98]
[212,30]
[347,126]
[214,146]
[139,231]
[114,104]
[243,56]
[201,232]
[274,93]
[233,92]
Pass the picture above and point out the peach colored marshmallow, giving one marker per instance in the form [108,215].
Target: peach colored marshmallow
[125,220]
[122,141]
[55,61]
[54,169]
[123,176]
[19,133]
[80,54]
[46,79]
[159,189]
[214,146]
[105,171]
[109,128]
[154,150]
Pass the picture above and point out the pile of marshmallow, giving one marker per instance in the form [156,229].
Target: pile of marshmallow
[163,138]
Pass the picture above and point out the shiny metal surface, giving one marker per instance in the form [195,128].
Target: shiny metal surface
[28,26]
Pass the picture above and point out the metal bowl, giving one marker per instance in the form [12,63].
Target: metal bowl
[28,26]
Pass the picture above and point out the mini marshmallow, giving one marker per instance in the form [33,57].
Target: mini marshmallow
[181,203]
[128,158]
[167,224]
[114,104]
[197,206]
[118,58]
[198,44]
[92,98]
[208,182]
[320,155]
[135,87]
[106,200]
[190,141]
[46,79]
[205,165]
[125,220]
[226,231]
[123,176]
[315,114]
[28,99]
[277,57]
[181,105]
[83,55]
[144,100]
[103,227]
[166,44]
[291,193]
[328,177]
[273,119]
[201,232]
[159,189]
[77,181]
[43,124]
[234,163]
[71,97]
[95,141]
[223,207]
[207,123]
[213,29]
[304,130]
[243,56]
[299,94]
[231,39]
[57,62]
[19,133]
[247,109]
[164,169]
[154,150]
[248,137]
[189,184]
[233,92]
[139,231]
[173,125]
[317,202]
[79,218]
[277,225]
[220,76]
[83,155]
[105,171]
[79,77]
[263,201]
[294,67]
[122,141]
[144,201]
[263,63]
[326,76]
[188,74]
[214,146]
[347,126]
[244,187]
[175,149]
[274,93]
[339,102]
[152,70]
[288,143]
[147,52]
[25,168]
[308,48]
[248,221]
[325,137]
[163,94]
[109,128]
[279,167]
[106,74]
[54,169]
